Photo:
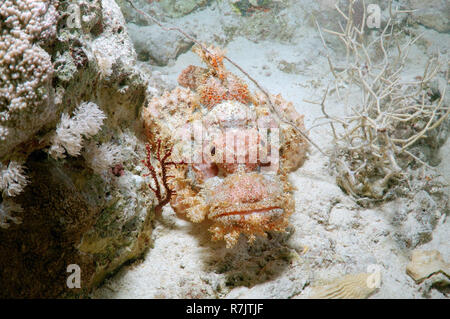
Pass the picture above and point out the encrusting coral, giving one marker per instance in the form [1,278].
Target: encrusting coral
[229,153]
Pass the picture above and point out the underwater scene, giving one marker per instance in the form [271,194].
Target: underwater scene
[212,149]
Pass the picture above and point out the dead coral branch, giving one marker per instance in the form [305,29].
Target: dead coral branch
[373,144]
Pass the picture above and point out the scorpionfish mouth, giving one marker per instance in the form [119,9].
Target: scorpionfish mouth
[247,197]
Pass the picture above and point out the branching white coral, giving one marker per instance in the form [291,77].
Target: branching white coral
[12,179]
[102,157]
[85,122]
[6,208]
[372,144]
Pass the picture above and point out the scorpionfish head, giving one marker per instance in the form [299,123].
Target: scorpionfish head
[249,203]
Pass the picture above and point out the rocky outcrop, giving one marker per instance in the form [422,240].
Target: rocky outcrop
[89,207]
[434,14]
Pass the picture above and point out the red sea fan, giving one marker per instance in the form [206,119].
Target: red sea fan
[161,187]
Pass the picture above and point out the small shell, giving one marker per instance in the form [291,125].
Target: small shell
[425,263]
[348,287]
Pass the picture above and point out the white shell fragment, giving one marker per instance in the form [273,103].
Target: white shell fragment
[425,263]
[357,286]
